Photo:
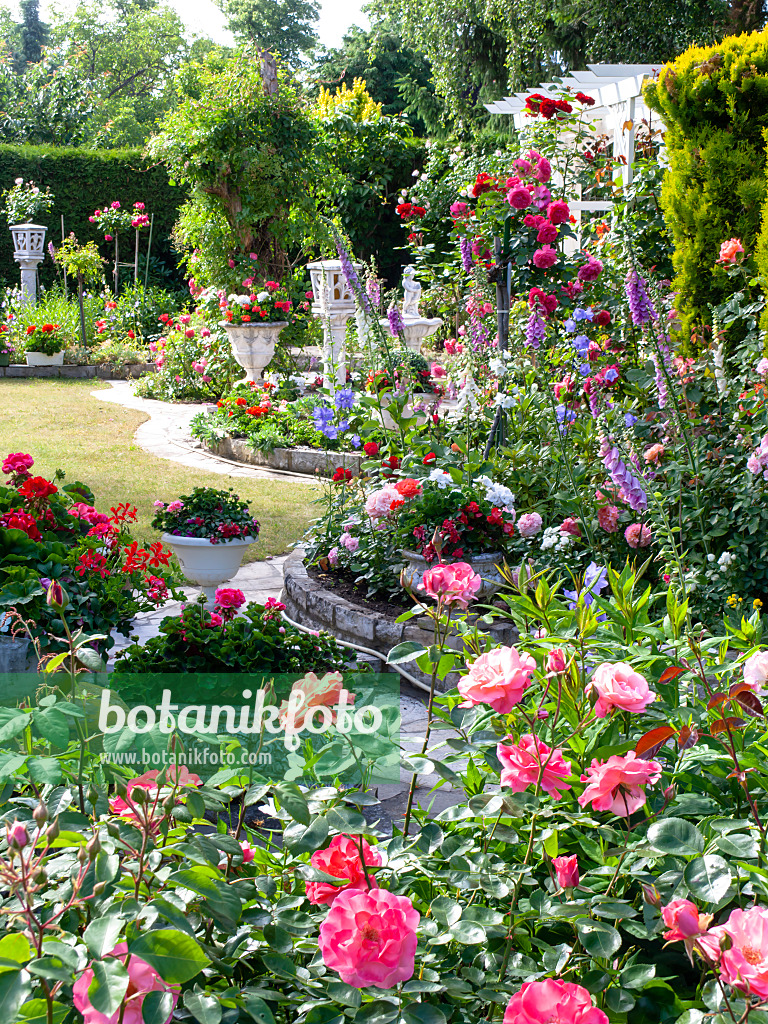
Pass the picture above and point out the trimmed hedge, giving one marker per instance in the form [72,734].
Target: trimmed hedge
[714,102]
[82,179]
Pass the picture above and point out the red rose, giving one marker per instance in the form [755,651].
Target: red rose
[371,448]
[429,459]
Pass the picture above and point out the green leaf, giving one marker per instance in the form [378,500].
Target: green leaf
[53,726]
[157,1007]
[708,877]
[279,965]
[423,1013]
[377,1012]
[675,835]
[468,933]
[109,985]
[278,938]
[176,957]
[13,723]
[292,799]
[257,1009]
[15,987]
[598,938]
[206,1009]
[409,650]
[101,935]
[310,839]
[16,948]
[55,663]
[52,968]
[637,976]
[35,1011]
[345,994]
[445,911]
[45,771]
[91,660]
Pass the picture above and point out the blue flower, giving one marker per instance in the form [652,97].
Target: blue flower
[595,580]
[570,326]
[580,343]
[564,414]
[584,369]
[322,415]
[611,375]
[583,314]
[330,431]
[344,399]
[629,420]
[355,441]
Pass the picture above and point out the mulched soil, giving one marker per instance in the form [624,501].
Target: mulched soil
[342,583]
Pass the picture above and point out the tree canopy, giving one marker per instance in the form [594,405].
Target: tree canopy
[284,27]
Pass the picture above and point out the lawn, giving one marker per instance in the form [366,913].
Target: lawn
[63,426]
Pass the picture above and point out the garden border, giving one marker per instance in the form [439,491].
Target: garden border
[309,604]
[72,371]
[307,461]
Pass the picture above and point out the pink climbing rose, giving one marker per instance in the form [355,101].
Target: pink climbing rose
[142,979]
[553,1002]
[619,686]
[530,762]
[498,678]
[616,784]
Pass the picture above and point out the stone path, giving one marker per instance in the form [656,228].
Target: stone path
[166,435]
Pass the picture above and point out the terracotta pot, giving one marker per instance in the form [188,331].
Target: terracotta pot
[208,565]
[253,346]
[484,565]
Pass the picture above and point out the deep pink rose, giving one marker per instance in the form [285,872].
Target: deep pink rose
[547,233]
[369,938]
[557,661]
[543,170]
[683,920]
[519,197]
[143,979]
[342,860]
[498,678]
[558,212]
[619,686]
[553,1002]
[615,784]
[745,964]
[531,762]
[16,835]
[457,583]
[545,257]
[591,270]
[567,871]
[571,526]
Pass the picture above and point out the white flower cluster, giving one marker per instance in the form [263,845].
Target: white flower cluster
[726,560]
[241,300]
[441,478]
[553,538]
[506,401]
[498,494]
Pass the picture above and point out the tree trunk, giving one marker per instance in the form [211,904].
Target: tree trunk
[269,73]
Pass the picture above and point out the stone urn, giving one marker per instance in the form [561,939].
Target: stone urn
[253,346]
[28,243]
[208,565]
[417,398]
[41,359]
[485,565]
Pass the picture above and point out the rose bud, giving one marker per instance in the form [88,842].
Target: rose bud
[40,814]
[17,835]
[56,597]
[567,871]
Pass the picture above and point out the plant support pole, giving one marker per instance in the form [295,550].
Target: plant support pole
[149,247]
[64,269]
[136,261]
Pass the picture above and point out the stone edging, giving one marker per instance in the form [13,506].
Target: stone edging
[309,461]
[310,604]
[102,371]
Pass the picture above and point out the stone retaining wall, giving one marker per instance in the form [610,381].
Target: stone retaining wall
[295,460]
[310,604]
[103,371]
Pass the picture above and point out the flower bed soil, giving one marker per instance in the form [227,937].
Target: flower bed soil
[342,583]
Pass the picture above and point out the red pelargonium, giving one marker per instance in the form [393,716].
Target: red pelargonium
[37,488]
[16,519]
[17,464]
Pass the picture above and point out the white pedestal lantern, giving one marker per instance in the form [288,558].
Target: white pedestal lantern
[28,242]
[334,303]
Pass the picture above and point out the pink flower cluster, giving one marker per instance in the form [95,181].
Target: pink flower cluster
[757,462]
[456,583]
[530,762]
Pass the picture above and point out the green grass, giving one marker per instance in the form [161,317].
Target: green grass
[63,426]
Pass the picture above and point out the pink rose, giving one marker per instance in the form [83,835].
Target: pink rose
[558,212]
[608,518]
[638,536]
[552,1002]
[545,257]
[615,784]
[457,210]
[143,979]
[571,526]
[438,370]
[529,524]
[745,964]
[16,834]
[333,556]
[379,503]
[532,763]
[590,271]
[567,871]
[498,678]
[557,661]
[619,686]
[756,670]
[543,170]
[519,197]
[309,693]
[457,583]
[546,233]
[683,920]
[369,938]
[349,542]
[730,252]
[341,860]
[247,852]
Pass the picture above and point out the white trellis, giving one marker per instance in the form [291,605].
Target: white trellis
[617,90]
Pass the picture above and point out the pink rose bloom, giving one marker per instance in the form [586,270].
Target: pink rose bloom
[608,518]
[519,197]
[369,938]
[571,526]
[16,834]
[541,197]
[229,597]
[529,524]
[498,678]
[638,536]
[333,556]
[552,1002]
[745,964]
[590,271]
[531,762]
[524,166]
[762,367]
[567,871]
[545,257]
[326,691]
[683,920]
[619,686]
[248,854]
[349,542]
[457,583]
[546,233]
[17,463]
[756,670]
[438,370]
[341,860]
[143,979]
[378,504]
[543,171]
[654,453]
[557,661]
[730,252]
[615,784]
[558,212]
[754,465]
[457,210]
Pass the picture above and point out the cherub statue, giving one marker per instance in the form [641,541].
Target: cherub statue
[411,294]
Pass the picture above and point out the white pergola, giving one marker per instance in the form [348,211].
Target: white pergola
[619,105]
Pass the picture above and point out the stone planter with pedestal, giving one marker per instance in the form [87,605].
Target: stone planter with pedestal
[28,251]
[484,565]
[253,346]
[208,565]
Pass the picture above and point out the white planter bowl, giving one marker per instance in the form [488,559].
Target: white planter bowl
[253,346]
[484,565]
[41,359]
[208,565]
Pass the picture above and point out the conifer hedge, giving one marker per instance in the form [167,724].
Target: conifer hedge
[82,179]
[714,103]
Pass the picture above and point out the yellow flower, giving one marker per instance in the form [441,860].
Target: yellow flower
[732,601]
[757,603]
